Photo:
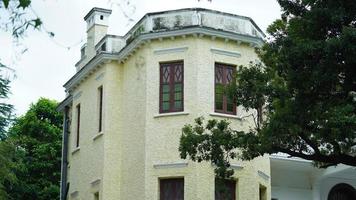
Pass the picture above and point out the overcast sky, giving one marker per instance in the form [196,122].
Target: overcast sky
[48,63]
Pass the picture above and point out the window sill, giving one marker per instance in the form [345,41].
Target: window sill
[170,114]
[214,114]
[97,136]
[75,150]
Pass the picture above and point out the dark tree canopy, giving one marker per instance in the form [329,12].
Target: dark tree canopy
[37,138]
[304,93]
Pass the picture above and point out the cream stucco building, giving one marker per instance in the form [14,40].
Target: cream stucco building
[132,94]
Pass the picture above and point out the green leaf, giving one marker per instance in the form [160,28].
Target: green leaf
[6,3]
[24,3]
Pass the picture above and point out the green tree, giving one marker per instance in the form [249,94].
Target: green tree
[37,137]
[304,94]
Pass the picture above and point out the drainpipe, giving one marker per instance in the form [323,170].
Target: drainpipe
[64,165]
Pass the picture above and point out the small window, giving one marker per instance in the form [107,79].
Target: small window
[96,196]
[100,108]
[263,192]
[103,47]
[78,126]
[223,76]
[101,17]
[225,189]
[82,52]
[172,189]
[171,87]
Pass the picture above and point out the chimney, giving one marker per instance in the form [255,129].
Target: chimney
[97,25]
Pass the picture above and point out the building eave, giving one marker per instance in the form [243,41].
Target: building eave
[66,102]
[128,49]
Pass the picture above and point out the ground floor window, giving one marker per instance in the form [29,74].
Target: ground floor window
[172,189]
[342,191]
[96,196]
[225,189]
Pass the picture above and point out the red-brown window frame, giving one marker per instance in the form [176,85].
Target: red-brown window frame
[100,93]
[224,110]
[168,179]
[78,125]
[171,85]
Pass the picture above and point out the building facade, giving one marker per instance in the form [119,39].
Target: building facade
[132,94]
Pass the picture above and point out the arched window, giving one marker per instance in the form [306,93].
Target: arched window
[342,191]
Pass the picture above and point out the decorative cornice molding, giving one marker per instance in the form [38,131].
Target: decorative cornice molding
[68,100]
[127,50]
[77,95]
[225,52]
[170,50]
[100,76]
[263,175]
[95,182]
[170,165]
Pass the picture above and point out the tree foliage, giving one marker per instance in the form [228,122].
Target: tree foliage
[304,94]
[37,138]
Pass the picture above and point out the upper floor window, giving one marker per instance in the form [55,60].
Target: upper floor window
[78,126]
[100,107]
[223,76]
[171,87]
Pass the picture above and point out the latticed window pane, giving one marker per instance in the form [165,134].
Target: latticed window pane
[178,87]
[229,74]
[178,104]
[165,88]
[165,97]
[178,73]
[166,74]
[171,87]
[223,76]
[165,106]
[178,96]
[219,74]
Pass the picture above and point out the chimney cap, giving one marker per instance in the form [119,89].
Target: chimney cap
[96,9]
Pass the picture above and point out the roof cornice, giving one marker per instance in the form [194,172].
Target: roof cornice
[136,43]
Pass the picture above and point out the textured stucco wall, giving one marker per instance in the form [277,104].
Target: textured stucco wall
[136,137]
[86,163]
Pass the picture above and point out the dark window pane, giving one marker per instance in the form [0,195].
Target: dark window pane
[165,88]
[172,189]
[178,96]
[218,105]
[225,189]
[165,97]
[223,76]
[178,87]
[178,105]
[165,105]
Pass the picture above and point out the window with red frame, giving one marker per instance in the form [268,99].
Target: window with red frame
[172,189]
[223,76]
[171,87]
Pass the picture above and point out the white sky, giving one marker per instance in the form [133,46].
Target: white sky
[47,65]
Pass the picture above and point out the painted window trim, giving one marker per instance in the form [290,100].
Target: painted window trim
[224,110]
[171,85]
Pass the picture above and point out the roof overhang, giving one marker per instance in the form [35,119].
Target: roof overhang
[140,40]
